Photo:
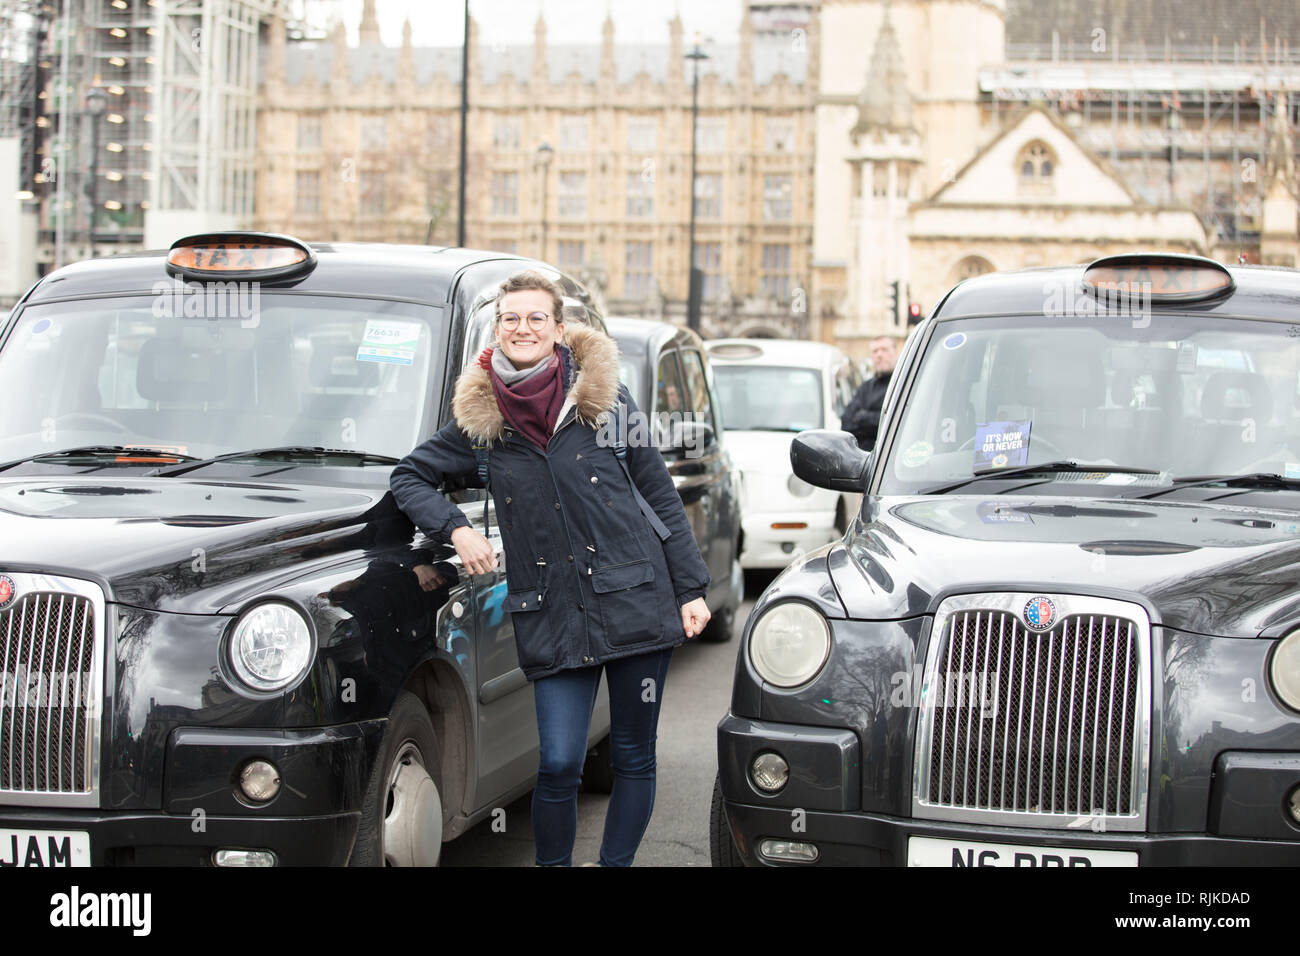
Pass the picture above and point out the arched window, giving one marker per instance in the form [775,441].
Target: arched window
[969,267]
[1037,165]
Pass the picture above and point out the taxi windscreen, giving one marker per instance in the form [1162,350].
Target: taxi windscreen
[1177,394]
[769,397]
[293,370]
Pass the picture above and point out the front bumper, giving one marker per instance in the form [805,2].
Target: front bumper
[820,805]
[768,547]
[312,821]
[159,839]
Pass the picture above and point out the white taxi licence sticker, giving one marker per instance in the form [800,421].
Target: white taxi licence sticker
[926,851]
[388,341]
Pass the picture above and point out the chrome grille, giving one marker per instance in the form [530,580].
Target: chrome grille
[51,668]
[1045,729]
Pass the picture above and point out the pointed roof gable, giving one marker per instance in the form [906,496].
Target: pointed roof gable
[992,176]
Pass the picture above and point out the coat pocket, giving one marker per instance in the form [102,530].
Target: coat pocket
[629,605]
[533,641]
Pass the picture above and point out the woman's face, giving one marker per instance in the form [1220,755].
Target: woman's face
[526,346]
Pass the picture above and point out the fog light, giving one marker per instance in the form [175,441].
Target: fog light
[787,851]
[243,858]
[769,772]
[1293,804]
[259,780]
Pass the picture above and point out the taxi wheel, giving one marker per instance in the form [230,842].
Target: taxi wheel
[722,848]
[598,770]
[401,818]
[720,626]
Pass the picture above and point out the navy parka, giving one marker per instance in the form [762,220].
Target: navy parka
[588,579]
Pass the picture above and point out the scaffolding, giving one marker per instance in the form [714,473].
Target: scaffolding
[24,28]
[1178,132]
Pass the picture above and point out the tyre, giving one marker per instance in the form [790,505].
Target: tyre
[720,626]
[598,771]
[401,816]
[722,848]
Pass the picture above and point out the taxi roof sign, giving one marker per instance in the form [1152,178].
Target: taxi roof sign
[734,350]
[242,256]
[1163,276]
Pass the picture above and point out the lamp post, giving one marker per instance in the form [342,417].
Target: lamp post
[96,103]
[464,136]
[693,292]
[544,155]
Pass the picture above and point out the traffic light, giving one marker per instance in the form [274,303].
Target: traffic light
[913,313]
[893,301]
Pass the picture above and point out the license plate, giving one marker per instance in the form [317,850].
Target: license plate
[925,851]
[44,848]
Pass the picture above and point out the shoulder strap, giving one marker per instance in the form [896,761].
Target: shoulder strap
[620,452]
[481,459]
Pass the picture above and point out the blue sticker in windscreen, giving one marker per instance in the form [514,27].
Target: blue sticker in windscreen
[1002,444]
[41,326]
[955,341]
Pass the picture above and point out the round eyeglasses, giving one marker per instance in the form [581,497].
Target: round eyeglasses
[536,320]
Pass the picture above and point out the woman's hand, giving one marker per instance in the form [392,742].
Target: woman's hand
[476,553]
[428,576]
[695,614]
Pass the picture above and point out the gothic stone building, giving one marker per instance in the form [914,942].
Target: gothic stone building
[363,143]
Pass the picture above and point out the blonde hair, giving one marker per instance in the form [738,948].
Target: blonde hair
[530,279]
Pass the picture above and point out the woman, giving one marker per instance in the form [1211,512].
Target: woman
[590,584]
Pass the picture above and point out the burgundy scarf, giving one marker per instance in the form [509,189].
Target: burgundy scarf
[531,406]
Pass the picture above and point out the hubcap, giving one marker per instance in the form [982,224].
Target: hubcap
[413,822]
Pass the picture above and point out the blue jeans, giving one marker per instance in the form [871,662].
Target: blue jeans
[564,705]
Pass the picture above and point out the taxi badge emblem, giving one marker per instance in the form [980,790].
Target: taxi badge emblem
[1040,613]
[7,591]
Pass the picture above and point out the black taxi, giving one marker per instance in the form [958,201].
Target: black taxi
[667,371]
[1064,629]
[221,643]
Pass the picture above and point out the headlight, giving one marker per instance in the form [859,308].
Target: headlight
[1285,670]
[798,487]
[789,644]
[271,647]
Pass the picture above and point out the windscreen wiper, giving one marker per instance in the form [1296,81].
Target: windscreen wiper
[94,451]
[283,451]
[1258,480]
[1064,464]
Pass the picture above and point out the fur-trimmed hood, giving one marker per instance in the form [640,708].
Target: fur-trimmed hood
[594,389]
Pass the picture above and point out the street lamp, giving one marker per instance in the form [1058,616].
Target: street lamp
[693,292]
[544,156]
[96,103]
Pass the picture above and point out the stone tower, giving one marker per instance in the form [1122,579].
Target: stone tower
[917,60]
[884,156]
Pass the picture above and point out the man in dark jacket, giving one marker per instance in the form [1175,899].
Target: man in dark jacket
[862,417]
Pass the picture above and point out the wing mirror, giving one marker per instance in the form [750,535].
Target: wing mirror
[688,437]
[830,459]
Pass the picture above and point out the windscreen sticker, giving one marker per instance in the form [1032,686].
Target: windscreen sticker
[388,341]
[955,341]
[41,326]
[1002,444]
[917,454]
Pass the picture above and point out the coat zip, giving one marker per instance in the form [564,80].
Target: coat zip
[546,456]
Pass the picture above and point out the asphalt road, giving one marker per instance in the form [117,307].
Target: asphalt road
[695,697]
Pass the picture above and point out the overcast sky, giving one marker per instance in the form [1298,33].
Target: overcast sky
[438,22]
